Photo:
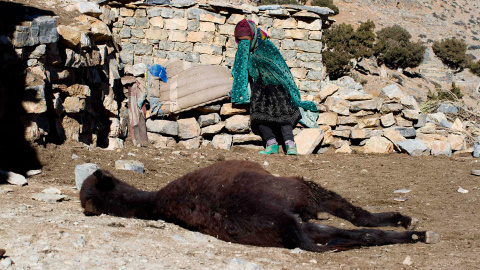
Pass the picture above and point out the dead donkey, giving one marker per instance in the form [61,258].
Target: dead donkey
[240,202]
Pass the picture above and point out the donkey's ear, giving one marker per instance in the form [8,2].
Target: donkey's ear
[104,180]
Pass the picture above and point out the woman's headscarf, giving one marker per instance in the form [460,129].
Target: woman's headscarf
[249,28]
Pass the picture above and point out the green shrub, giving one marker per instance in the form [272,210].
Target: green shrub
[326,3]
[475,68]
[364,39]
[394,48]
[343,43]
[337,63]
[452,52]
[453,94]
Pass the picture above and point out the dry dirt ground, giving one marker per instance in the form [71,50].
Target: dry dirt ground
[42,235]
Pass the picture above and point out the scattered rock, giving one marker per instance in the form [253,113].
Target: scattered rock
[6,262]
[476,172]
[296,251]
[130,165]
[52,191]
[33,172]
[404,191]
[89,8]
[13,178]
[241,264]
[407,261]
[49,197]
[82,172]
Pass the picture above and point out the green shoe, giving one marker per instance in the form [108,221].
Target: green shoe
[272,149]
[292,150]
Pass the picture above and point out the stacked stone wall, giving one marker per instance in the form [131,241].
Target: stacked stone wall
[203,33]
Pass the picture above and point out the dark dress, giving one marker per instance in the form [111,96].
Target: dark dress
[271,105]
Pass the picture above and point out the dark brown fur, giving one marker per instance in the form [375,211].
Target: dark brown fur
[240,202]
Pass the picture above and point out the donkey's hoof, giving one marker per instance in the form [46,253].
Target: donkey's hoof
[413,224]
[432,237]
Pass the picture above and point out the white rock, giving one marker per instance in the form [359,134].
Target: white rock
[89,8]
[33,172]
[403,191]
[130,165]
[52,191]
[461,190]
[13,178]
[49,197]
[407,261]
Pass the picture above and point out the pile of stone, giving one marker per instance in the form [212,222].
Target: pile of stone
[350,120]
[71,72]
[391,122]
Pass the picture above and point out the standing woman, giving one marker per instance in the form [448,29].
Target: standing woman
[262,78]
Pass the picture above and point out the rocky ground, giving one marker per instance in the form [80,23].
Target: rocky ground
[56,235]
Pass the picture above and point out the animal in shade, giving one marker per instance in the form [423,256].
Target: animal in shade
[240,202]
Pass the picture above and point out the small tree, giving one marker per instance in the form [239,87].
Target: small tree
[394,48]
[343,43]
[452,52]
[364,39]
[475,68]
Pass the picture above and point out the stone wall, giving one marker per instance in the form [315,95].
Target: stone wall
[72,76]
[203,33]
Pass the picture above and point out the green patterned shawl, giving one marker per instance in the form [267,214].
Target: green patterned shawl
[267,62]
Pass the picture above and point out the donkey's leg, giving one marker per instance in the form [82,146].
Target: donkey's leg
[340,239]
[330,202]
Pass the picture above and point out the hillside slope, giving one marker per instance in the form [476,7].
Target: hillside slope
[426,20]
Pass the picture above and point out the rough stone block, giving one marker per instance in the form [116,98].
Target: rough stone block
[188,128]
[162,127]
[441,148]
[212,129]
[159,141]
[238,124]
[193,143]
[222,141]
[82,172]
[209,119]
[392,92]
[340,106]
[378,145]
[308,139]
[328,118]
[414,147]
